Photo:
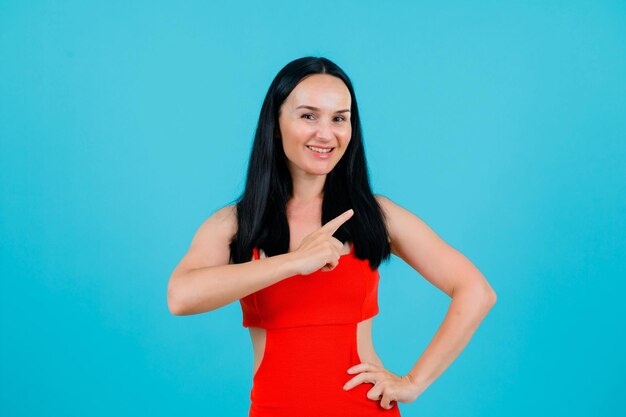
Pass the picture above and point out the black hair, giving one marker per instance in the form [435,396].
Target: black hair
[261,209]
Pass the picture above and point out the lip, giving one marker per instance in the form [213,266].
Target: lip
[321,155]
[321,147]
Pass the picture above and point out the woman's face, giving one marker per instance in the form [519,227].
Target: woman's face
[314,124]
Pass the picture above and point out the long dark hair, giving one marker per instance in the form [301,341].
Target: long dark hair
[261,209]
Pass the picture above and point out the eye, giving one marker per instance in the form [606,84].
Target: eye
[340,119]
[307,116]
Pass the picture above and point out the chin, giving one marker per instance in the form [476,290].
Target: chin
[318,172]
[321,170]
[315,169]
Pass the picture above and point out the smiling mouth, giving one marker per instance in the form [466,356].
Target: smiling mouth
[320,150]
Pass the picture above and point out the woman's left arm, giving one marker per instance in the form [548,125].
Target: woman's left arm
[447,269]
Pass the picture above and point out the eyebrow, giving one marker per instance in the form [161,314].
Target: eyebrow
[304,106]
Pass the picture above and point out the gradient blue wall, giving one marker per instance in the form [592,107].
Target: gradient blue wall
[123,125]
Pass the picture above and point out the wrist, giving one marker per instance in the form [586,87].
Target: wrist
[290,263]
[418,382]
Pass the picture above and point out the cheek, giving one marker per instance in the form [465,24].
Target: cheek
[346,136]
[296,132]
[291,144]
[288,146]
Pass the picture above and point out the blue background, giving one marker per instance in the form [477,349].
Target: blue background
[124,125]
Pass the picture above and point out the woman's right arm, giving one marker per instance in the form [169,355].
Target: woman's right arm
[204,280]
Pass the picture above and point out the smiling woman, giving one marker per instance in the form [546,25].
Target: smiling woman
[301,249]
[315,131]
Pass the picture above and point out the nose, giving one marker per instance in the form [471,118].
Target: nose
[324,131]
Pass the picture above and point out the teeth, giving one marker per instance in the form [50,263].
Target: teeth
[320,150]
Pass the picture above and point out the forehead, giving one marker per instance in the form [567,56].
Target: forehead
[320,90]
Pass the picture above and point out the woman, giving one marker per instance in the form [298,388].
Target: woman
[300,251]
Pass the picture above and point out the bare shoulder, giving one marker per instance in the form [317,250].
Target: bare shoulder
[386,203]
[410,237]
[395,219]
[383,201]
[210,245]
[226,218]
[407,231]
[221,223]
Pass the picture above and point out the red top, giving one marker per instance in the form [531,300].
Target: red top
[347,294]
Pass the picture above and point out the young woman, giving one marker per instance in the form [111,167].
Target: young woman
[300,250]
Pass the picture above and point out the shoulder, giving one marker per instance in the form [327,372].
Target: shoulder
[385,205]
[226,217]
[226,214]
[402,225]
[210,244]
[382,200]
[388,207]
[221,223]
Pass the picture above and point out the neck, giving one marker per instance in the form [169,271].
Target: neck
[307,188]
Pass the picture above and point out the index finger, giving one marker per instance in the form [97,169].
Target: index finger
[334,224]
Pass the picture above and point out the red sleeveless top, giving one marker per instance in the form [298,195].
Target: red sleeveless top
[347,294]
